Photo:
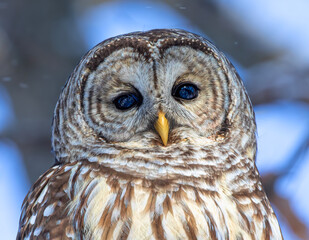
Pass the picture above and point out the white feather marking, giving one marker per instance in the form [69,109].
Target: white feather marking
[32,219]
[48,175]
[115,214]
[48,210]
[244,139]
[70,235]
[84,170]
[42,195]
[123,192]
[159,200]
[37,231]
[256,200]
[67,168]
[93,159]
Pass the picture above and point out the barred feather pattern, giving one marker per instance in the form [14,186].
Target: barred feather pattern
[113,179]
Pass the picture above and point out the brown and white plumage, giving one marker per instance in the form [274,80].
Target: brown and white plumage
[114,178]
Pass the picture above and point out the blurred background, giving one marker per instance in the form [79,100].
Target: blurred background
[41,42]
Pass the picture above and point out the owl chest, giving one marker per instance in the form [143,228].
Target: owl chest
[135,212]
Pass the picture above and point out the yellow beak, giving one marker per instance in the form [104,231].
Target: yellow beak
[162,127]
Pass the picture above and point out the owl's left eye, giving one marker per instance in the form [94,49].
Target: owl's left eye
[127,101]
[185,91]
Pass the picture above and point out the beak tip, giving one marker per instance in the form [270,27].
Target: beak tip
[162,127]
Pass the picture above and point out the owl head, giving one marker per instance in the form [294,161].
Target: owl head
[157,90]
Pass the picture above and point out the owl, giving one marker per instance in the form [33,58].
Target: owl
[154,138]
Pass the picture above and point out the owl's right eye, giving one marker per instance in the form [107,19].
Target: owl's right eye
[127,101]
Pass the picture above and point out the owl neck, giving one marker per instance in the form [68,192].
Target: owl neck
[200,166]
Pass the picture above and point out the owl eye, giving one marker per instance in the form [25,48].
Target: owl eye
[185,91]
[127,101]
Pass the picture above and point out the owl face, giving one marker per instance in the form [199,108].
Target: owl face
[155,91]
[123,97]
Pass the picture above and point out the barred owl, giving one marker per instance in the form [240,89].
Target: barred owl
[154,138]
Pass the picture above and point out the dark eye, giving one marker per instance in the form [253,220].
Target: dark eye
[185,91]
[129,100]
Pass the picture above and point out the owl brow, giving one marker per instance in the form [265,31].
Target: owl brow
[107,48]
[132,87]
[195,44]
